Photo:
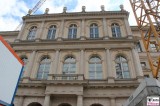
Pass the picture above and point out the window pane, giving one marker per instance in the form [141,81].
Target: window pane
[72,68]
[126,74]
[95,68]
[113,32]
[118,31]
[99,75]
[98,67]
[45,75]
[39,76]
[69,66]
[91,75]
[91,67]
[44,68]
[119,74]
[125,66]
[122,69]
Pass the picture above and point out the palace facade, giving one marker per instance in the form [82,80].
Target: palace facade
[79,58]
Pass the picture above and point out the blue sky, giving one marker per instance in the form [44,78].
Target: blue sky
[12,11]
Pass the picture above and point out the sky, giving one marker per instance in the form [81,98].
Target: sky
[12,11]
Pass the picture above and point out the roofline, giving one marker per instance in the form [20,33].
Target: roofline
[77,14]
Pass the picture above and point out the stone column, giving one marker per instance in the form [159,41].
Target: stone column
[81,62]
[61,30]
[54,65]
[29,66]
[128,28]
[40,31]
[79,100]
[113,102]
[20,33]
[109,66]
[82,37]
[105,31]
[21,100]
[137,65]
[56,62]
[47,100]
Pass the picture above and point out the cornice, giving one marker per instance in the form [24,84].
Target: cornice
[9,33]
[77,14]
[74,41]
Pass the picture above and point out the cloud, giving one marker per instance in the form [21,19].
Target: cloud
[11,13]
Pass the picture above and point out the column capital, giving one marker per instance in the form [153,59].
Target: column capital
[107,48]
[57,49]
[82,49]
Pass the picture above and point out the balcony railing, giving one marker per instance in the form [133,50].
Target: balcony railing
[66,76]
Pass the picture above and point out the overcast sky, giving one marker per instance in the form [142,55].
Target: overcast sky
[11,11]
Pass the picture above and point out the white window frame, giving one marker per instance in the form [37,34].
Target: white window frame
[94,31]
[121,66]
[45,61]
[117,30]
[32,33]
[51,32]
[72,31]
[95,67]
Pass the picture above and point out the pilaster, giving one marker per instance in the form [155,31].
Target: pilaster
[20,101]
[47,100]
[54,65]
[81,62]
[105,31]
[137,65]
[39,33]
[109,66]
[113,101]
[61,30]
[79,100]
[29,67]
[82,37]
[20,33]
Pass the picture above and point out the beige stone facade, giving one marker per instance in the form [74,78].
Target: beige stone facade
[78,88]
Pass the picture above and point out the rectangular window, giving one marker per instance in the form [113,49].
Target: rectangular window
[143,64]
[153,46]
[138,47]
[146,76]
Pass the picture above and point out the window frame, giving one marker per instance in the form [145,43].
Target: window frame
[138,47]
[51,32]
[94,31]
[72,31]
[116,30]
[95,71]
[32,33]
[121,66]
[44,62]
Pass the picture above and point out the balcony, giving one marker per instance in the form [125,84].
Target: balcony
[66,77]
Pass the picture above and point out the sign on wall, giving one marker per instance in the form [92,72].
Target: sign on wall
[10,71]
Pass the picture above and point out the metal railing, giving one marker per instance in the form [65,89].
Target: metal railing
[66,76]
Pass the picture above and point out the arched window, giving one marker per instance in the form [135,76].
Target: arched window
[44,68]
[116,30]
[34,104]
[69,66]
[32,33]
[96,104]
[64,104]
[95,68]
[24,59]
[51,32]
[72,33]
[122,69]
[94,33]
